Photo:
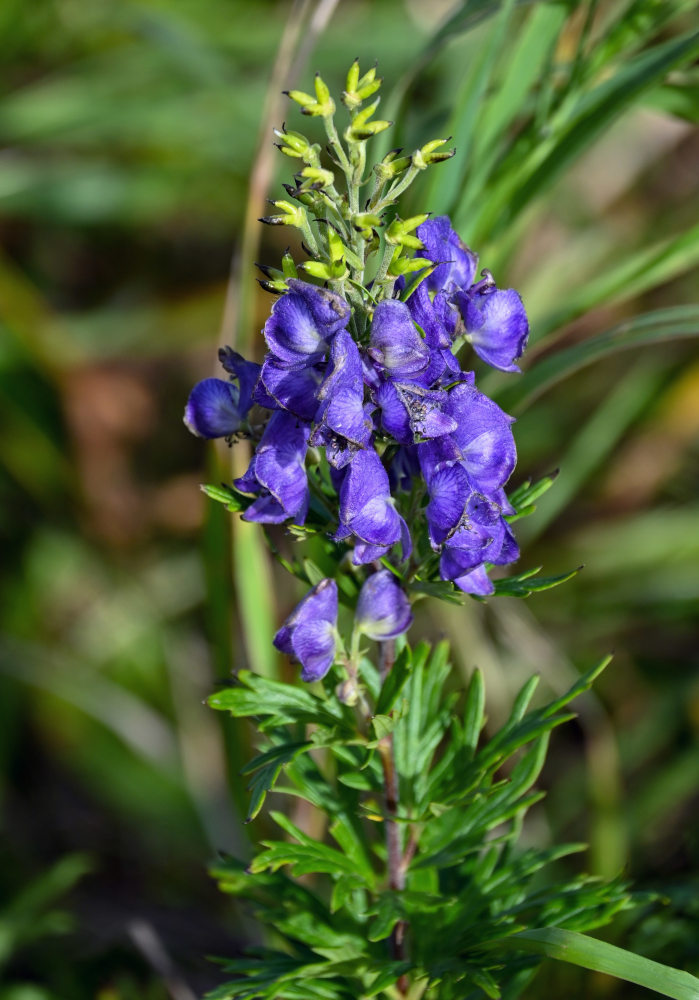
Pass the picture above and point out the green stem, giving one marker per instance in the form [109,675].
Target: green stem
[394,848]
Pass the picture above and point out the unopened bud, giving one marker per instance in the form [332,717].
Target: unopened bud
[318,176]
[392,165]
[361,128]
[325,271]
[429,153]
[291,215]
[400,230]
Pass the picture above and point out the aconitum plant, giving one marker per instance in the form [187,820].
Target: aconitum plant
[380,473]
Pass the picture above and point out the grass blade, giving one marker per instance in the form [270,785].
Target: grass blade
[598,956]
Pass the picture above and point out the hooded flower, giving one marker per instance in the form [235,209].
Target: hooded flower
[383,610]
[483,437]
[495,323]
[303,323]
[443,246]
[217,408]
[343,422]
[367,510]
[277,473]
[309,634]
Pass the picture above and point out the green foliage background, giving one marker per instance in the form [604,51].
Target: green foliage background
[130,136]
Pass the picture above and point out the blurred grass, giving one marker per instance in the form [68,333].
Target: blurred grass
[129,132]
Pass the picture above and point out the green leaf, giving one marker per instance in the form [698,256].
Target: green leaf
[525,584]
[395,681]
[589,953]
[268,766]
[590,115]
[474,709]
[228,496]
[282,703]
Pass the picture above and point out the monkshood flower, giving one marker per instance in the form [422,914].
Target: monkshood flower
[309,634]
[277,473]
[367,510]
[303,323]
[343,420]
[482,536]
[383,610]
[494,320]
[217,408]
[495,323]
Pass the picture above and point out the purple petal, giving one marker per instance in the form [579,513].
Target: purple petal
[499,333]
[395,343]
[483,436]
[475,582]
[457,264]
[246,372]
[314,647]
[329,310]
[395,419]
[449,492]
[291,389]
[212,410]
[308,633]
[383,610]
[365,501]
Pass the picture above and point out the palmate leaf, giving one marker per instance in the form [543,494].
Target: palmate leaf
[265,770]
[279,704]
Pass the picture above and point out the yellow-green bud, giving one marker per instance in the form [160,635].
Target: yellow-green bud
[429,154]
[324,270]
[361,128]
[289,266]
[291,215]
[319,176]
[392,165]
[398,233]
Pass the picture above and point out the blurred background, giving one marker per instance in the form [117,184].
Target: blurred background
[136,156]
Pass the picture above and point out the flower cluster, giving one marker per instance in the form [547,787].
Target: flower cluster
[406,433]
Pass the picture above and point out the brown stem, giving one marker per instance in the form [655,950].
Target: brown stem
[394,849]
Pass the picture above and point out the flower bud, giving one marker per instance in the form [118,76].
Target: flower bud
[325,271]
[383,610]
[361,128]
[392,165]
[428,154]
[399,232]
[318,176]
[292,215]
[322,106]
[309,633]
[358,90]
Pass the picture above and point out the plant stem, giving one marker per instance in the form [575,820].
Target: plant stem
[394,849]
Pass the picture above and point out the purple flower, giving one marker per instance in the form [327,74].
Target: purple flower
[217,408]
[303,322]
[457,264]
[293,389]
[483,437]
[277,473]
[395,345]
[495,322]
[383,610]
[309,634]
[483,536]
[212,409]
[367,510]
[343,422]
